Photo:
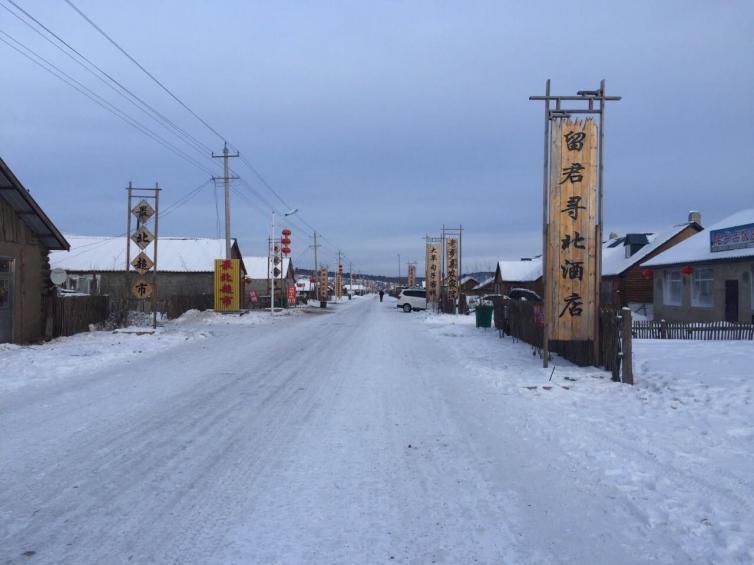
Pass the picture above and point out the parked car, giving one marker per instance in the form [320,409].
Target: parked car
[524,294]
[412,299]
[489,298]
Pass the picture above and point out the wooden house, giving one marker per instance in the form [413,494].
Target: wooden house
[624,280]
[26,237]
[709,276]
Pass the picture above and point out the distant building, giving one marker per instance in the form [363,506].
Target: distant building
[259,272]
[26,237]
[709,276]
[526,273]
[487,286]
[467,284]
[97,265]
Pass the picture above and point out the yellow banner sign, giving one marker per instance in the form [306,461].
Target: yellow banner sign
[227,285]
[572,244]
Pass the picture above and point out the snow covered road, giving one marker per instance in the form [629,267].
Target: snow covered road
[354,436]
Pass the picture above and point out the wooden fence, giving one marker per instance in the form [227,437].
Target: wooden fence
[519,319]
[68,315]
[661,329]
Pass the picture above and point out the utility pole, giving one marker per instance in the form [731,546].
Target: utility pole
[398,283]
[226,183]
[350,274]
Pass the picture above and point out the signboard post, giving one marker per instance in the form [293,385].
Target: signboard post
[291,295]
[411,281]
[432,274]
[451,279]
[573,189]
[323,286]
[144,287]
[572,237]
[227,285]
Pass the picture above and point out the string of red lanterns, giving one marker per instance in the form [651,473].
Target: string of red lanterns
[286,241]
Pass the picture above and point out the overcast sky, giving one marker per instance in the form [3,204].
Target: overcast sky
[381,121]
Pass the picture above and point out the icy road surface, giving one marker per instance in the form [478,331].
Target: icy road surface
[357,436]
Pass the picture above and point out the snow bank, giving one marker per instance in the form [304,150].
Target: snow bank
[91,351]
[678,447]
[83,353]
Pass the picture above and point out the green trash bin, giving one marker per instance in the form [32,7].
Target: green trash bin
[484,316]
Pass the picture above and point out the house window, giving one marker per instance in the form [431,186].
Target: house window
[701,288]
[672,289]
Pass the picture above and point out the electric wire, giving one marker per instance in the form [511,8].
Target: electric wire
[108,79]
[43,63]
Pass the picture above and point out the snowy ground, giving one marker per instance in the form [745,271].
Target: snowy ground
[366,435]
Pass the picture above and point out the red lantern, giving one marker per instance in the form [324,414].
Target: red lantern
[285,241]
[340,268]
[687,270]
[647,273]
[287,232]
[286,250]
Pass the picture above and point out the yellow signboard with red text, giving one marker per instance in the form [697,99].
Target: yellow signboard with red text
[227,285]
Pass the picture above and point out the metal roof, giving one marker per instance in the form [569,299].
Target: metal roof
[29,212]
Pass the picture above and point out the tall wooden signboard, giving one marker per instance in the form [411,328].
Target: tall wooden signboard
[572,238]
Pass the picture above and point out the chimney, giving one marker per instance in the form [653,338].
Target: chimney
[695,216]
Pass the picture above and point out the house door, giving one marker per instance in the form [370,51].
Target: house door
[6,300]
[731,301]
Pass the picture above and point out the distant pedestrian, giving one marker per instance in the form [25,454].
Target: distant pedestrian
[382,294]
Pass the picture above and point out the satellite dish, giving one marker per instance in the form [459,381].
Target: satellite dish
[58,276]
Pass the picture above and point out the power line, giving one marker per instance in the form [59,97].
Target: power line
[51,68]
[121,89]
[150,75]
[184,105]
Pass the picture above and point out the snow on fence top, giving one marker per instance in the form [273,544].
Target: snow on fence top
[102,253]
[697,248]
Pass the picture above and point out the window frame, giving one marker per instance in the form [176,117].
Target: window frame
[696,281]
[667,286]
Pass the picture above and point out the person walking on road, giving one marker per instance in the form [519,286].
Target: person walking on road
[382,294]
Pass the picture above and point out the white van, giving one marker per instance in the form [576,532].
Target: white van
[412,299]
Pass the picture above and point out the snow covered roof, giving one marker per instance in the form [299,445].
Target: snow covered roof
[485,282]
[614,260]
[697,248]
[103,253]
[520,271]
[468,278]
[260,267]
[20,200]
[304,284]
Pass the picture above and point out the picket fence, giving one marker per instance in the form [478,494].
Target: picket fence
[661,329]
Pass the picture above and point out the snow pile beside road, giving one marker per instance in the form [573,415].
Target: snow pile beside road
[678,448]
[212,318]
[84,353]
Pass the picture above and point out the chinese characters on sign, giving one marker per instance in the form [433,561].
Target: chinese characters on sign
[142,237]
[572,251]
[433,272]
[737,237]
[291,295]
[411,282]
[451,280]
[227,285]
[323,284]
